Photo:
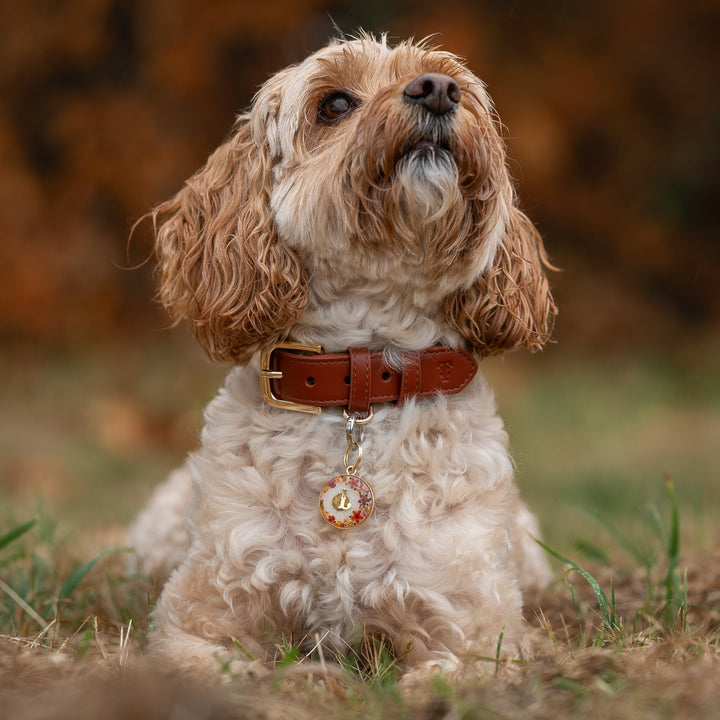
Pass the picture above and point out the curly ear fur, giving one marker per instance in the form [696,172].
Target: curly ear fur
[510,305]
[221,265]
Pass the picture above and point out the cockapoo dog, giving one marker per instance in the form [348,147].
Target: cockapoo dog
[350,250]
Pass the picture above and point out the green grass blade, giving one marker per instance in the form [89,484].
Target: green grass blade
[17,532]
[658,525]
[674,539]
[640,556]
[243,650]
[498,650]
[79,574]
[592,552]
[609,619]
[22,604]
[674,596]
[290,655]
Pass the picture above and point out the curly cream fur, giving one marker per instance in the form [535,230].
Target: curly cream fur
[387,229]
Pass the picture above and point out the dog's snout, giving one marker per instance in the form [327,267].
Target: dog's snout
[438,93]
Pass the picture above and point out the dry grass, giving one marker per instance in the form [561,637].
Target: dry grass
[82,657]
[673,676]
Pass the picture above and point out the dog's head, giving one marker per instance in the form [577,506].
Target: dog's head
[362,164]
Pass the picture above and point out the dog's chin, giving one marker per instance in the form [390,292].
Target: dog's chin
[428,167]
[428,158]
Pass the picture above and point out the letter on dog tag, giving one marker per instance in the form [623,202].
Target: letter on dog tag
[341,501]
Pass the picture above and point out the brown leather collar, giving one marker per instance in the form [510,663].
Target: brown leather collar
[358,378]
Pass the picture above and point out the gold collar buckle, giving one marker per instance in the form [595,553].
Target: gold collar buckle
[267,374]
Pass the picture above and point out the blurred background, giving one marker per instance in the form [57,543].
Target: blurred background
[612,111]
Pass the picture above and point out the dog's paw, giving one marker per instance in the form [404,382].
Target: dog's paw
[448,667]
[234,669]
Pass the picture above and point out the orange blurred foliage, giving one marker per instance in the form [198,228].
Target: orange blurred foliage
[612,108]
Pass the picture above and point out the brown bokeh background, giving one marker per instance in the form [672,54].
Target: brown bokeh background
[612,110]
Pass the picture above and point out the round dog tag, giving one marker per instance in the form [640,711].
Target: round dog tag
[346,501]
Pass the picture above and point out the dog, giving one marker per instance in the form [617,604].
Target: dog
[350,250]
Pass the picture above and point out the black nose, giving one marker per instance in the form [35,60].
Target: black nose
[438,93]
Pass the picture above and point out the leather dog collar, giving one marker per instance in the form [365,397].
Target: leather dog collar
[356,379]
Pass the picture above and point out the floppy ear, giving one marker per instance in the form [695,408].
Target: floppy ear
[509,306]
[220,263]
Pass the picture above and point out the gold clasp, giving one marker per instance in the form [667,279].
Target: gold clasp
[354,432]
[267,374]
[356,447]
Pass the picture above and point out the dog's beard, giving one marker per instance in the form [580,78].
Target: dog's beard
[428,178]
[430,216]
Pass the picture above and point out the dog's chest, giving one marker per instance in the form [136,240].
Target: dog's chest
[423,464]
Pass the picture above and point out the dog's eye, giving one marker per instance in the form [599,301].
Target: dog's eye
[335,106]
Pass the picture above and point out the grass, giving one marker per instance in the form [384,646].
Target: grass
[608,639]
[630,628]
[51,595]
[674,611]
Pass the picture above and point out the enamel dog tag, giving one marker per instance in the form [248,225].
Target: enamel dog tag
[346,501]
